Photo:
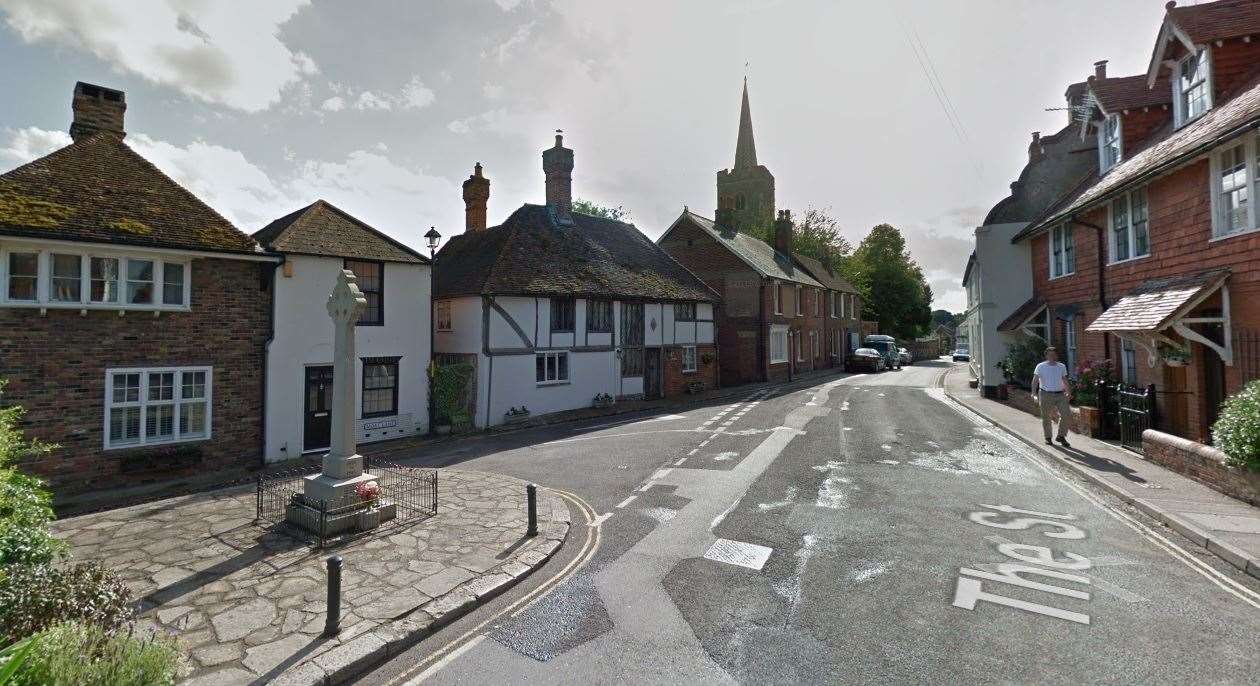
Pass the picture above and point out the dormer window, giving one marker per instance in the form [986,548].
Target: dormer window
[1192,86]
[1109,143]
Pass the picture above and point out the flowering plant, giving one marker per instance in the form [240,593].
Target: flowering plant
[368,491]
[1088,376]
[1237,432]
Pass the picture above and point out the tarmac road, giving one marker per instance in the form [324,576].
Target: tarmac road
[854,529]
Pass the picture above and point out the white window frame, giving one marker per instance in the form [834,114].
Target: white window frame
[800,290]
[1063,234]
[442,322]
[1251,148]
[44,284]
[800,347]
[1113,246]
[556,354]
[689,359]
[144,403]
[815,344]
[778,299]
[818,302]
[779,340]
[1180,116]
[1110,142]
[1128,354]
[1069,342]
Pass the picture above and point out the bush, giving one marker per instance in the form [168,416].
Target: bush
[1021,359]
[1088,376]
[1237,431]
[449,384]
[35,597]
[25,507]
[73,653]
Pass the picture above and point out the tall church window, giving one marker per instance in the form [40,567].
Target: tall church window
[739,201]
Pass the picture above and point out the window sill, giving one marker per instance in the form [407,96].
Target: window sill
[540,384]
[1227,236]
[689,371]
[378,415]
[561,331]
[107,307]
[1128,260]
[445,330]
[156,443]
[1061,276]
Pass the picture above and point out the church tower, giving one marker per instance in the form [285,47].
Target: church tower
[745,192]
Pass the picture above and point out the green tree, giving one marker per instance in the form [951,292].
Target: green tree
[617,213]
[894,291]
[815,234]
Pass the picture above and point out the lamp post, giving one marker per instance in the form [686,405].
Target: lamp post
[432,238]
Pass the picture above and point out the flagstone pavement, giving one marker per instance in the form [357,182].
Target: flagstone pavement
[248,602]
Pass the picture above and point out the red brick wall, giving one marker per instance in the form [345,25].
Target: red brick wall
[1137,125]
[56,363]
[1201,463]
[1078,290]
[676,380]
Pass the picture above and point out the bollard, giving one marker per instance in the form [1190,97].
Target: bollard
[531,494]
[333,614]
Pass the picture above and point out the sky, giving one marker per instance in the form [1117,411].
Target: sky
[917,114]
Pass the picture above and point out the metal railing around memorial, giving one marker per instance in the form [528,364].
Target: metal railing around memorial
[408,493]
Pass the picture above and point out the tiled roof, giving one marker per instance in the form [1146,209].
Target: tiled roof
[1217,20]
[532,254]
[100,190]
[1130,92]
[324,229]
[1021,315]
[823,275]
[1164,152]
[755,252]
[1156,303]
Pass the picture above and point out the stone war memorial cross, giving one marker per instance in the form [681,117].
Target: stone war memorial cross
[343,465]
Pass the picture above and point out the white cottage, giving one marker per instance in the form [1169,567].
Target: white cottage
[553,308]
[392,337]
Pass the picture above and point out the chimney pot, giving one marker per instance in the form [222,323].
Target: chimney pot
[96,108]
[558,170]
[476,194]
[1100,69]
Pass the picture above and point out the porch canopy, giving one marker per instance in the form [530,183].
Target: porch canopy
[1158,306]
[1028,318]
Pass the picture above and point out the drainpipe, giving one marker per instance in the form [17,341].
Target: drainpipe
[271,335]
[1102,275]
[763,332]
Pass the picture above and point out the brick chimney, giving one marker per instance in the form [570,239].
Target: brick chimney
[724,218]
[783,232]
[476,193]
[96,109]
[558,168]
[1100,69]
[1035,150]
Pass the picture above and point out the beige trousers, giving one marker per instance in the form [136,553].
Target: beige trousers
[1051,403]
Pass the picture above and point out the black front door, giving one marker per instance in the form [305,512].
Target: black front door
[652,373]
[318,422]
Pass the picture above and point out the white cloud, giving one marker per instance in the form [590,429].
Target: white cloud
[26,144]
[370,101]
[492,91]
[398,200]
[225,52]
[415,95]
[504,50]
[334,104]
[507,5]
[458,126]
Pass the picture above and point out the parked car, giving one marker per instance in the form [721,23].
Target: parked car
[962,355]
[887,346]
[867,360]
[906,357]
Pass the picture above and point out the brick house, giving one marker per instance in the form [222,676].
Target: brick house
[133,318]
[554,307]
[1154,257]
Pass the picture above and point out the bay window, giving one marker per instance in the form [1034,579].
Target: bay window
[1130,233]
[1109,149]
[1062,251]
[74,278]
[158,405]
[1192,87]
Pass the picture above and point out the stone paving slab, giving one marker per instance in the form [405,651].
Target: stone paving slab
[1228,528]
[247,602]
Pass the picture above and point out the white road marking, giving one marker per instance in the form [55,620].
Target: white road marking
[662,473]
[722,457]
[680,461]
[889,462]
[600,519]
[693,452]
[647,485]
[718,519]
[627,501]
[739,553]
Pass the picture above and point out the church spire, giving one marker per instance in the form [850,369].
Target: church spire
[745,149]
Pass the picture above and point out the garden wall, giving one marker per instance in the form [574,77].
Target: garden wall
[1202,463]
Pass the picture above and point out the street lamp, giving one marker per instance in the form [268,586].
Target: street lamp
[433,238]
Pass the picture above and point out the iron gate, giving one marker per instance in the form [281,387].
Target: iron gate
[1137,414]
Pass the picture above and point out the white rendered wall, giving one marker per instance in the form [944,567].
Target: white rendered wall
[1005,284]
[303,337]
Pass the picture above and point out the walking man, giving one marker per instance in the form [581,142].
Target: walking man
[1050,388]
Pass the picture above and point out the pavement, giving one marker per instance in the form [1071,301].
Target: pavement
[842,529]
[1227,527]
[248,603]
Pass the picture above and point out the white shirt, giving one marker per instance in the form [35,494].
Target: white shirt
[1052,375]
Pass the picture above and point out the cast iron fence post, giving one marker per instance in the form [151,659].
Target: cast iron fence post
[333,613]
[531,495]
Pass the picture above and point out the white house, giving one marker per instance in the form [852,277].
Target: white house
[555,307]
[392,338]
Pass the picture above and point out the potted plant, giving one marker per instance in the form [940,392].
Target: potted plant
[603,400]
[516,415]
[1085,394]
[370,516]
[1174,356]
